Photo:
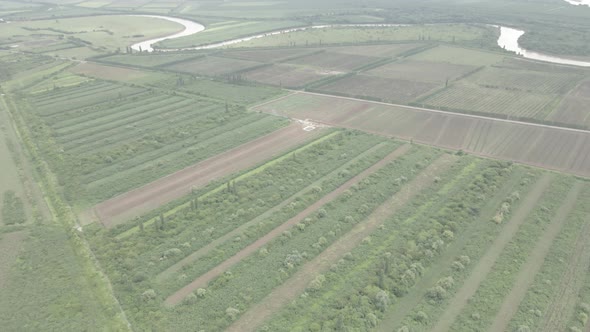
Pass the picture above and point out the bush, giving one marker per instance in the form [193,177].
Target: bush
[317,283]
[382,300]
[232,313]
[148,295]
[421,317]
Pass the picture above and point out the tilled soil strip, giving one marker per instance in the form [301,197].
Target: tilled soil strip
[486,263]
[203,280]
[166,189]
[563,304]
[527,273]
[267,214]
[288,291]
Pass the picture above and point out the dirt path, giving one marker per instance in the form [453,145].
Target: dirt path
[267,214]
[204,279]
[10,246]
[415,296]
[527,273]
[486,263]
[297,284]
[563,304]
[133,203]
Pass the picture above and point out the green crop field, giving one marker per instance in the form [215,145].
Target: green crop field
[114,138]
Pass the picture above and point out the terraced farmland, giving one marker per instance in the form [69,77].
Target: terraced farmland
[104,139]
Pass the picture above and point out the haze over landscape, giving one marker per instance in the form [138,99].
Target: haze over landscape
[332,165]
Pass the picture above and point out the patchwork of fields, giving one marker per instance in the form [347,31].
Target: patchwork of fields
[313,210]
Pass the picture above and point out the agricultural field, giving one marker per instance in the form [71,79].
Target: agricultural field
[371,227]
[405,176]
[105,138]
[551,147]
[213,66]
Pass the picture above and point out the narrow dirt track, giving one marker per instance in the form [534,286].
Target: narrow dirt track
[133,203]
[204,279]
[527,273]
[485,264]
[563,304]
[239,230]
[297,284]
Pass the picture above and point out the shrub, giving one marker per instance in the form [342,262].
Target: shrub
[382,300]
[190,299]
[322,213]
[317,283]
[421,317]
[201,292]
[583,318]
[523,328]
[232,313]
[148,295]
[585,307]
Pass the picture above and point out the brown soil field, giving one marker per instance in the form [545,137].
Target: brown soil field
[386,89]
[334,61]
[286,75]
[204,279]
[421,71]
[535,260]
[212,66]
[563,305]
[562,149]
[485,264]
[106,72]
[126,206]
[297,284]
[10,245]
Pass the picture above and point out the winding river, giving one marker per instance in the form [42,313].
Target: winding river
[508,39]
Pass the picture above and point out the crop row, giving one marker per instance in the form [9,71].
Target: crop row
[525,80]
[142,174]
[488,100]
[552,279]
[89,114]
[490,293]
[149,129]
[57,95]
[85,131]
[380,274]
[292,185]
[105,96]
[285,255]
[202,133]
